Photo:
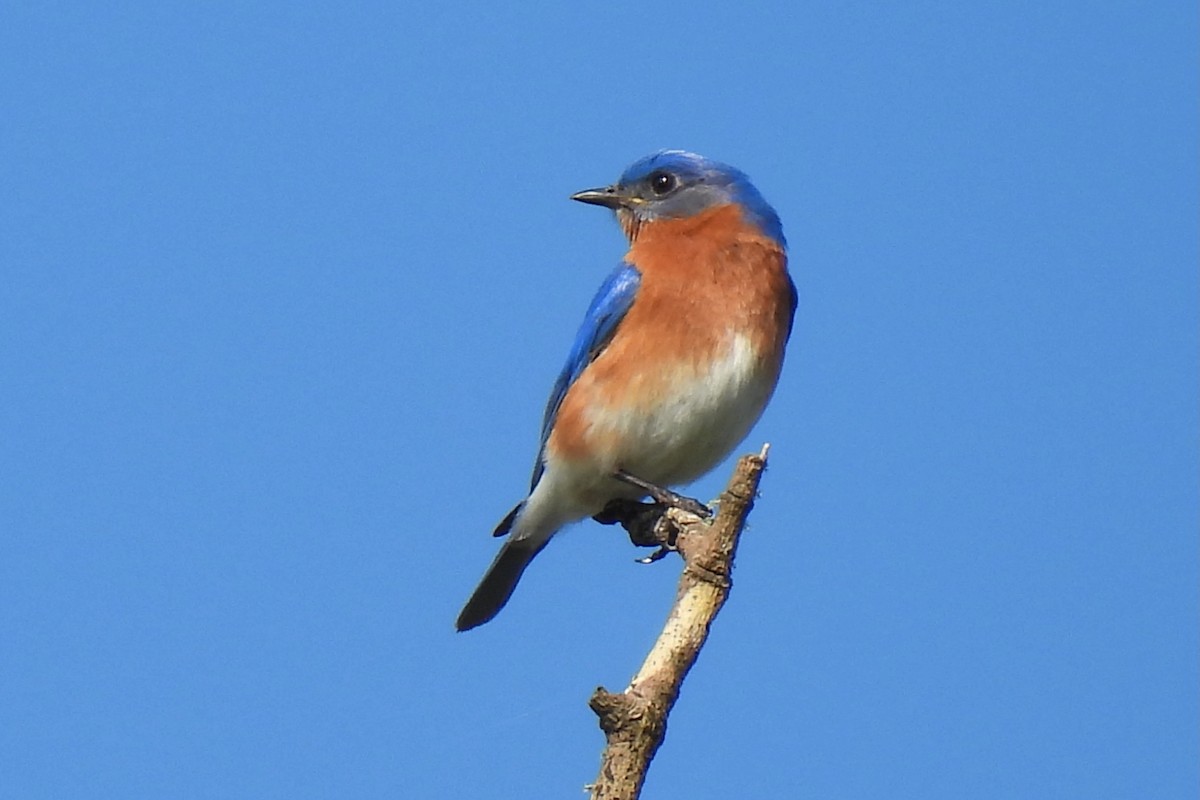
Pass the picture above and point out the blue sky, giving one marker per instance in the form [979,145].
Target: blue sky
[285,290]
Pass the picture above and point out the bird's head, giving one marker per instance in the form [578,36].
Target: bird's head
[672,184]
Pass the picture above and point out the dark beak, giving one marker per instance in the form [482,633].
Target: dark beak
[608,197]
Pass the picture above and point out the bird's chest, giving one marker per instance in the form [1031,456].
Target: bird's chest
[679,415]
[691,365]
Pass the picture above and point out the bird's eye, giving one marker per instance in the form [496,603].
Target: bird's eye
[662,182]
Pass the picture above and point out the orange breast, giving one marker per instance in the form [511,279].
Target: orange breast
[706,279]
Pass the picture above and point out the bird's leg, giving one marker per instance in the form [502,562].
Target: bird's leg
[665,496]
[645,523]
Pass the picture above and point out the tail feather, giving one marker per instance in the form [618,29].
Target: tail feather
[498,582]
[506,524]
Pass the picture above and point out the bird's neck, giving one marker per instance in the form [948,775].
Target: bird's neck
[718,226]
[699,237]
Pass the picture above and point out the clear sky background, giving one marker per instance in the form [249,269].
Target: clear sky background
[285,288]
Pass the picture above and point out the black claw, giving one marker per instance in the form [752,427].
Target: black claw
[657,555]
[664,496]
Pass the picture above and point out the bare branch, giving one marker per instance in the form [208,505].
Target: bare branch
[635,721]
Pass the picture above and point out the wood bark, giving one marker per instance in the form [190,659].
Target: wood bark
[635,721]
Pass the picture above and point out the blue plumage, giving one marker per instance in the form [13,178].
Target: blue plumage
[612,300]
[699,183]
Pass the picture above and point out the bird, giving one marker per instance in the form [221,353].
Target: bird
[676,358]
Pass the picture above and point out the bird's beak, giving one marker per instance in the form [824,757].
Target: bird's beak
[609,197]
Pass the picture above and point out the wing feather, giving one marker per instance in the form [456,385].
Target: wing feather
[607,309]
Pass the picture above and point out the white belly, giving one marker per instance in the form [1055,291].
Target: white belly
[687,431]
[681,435]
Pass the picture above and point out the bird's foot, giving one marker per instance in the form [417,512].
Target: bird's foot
[664,496]
[637,518]
[647,524]
[658,555]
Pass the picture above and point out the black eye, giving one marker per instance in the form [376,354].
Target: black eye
[662,182]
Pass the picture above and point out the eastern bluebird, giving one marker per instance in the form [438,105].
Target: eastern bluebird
[675,361]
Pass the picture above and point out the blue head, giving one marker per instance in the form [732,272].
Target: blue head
[671,184]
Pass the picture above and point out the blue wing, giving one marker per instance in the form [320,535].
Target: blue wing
[608,308]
